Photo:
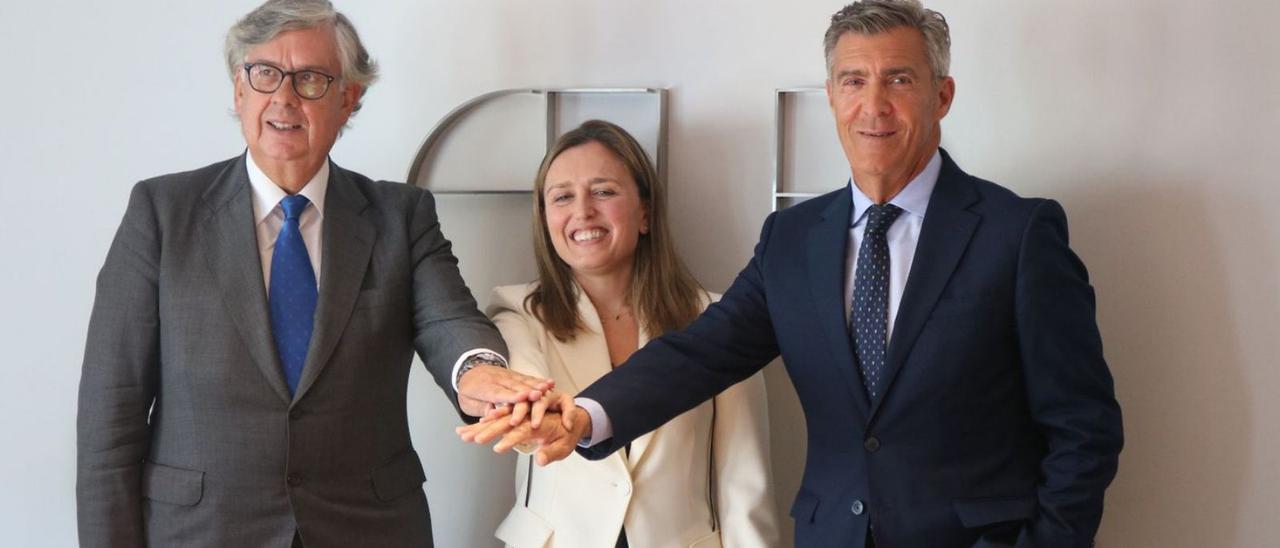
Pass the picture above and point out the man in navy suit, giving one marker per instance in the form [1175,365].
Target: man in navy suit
[938,329]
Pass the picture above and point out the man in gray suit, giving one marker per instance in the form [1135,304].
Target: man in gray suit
[245,373]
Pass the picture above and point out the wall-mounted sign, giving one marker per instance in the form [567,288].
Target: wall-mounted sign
[493,144]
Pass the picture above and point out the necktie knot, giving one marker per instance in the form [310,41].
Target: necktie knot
[880,217]
[293,206]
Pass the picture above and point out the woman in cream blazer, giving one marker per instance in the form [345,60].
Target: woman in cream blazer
[602,245]
[701,480]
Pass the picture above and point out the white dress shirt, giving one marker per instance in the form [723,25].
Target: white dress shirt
[268,218]
[903,235]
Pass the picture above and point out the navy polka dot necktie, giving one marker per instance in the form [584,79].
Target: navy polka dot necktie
[869,315]
[293,293]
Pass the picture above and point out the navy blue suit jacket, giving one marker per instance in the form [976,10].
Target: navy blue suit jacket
[998,424]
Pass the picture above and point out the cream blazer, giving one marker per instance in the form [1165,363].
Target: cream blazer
[662,490]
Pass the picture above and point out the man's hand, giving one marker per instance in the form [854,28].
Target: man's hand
[487,386]
[556,436]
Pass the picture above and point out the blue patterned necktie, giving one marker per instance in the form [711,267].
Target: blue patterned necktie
[292,293]
[869,316]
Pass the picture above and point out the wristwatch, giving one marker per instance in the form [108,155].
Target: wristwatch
[478,359]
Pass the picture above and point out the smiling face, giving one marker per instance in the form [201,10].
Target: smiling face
[888,107]
[594,213]
[288,136]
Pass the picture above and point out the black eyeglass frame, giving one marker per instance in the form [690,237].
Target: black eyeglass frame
[248,76]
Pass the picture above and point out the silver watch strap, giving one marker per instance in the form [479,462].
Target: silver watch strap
[478,359]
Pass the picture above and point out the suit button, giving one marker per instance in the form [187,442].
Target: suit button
[293,480]
[857,508]
[295,414]
[871,444]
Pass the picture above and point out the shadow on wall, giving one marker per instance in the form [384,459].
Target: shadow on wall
[1171,341]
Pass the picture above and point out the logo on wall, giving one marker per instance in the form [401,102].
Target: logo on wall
[493,144]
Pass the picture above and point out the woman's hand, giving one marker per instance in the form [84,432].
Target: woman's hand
[555,436]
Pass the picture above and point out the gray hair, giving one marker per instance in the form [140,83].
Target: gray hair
[870,17]
[276,16]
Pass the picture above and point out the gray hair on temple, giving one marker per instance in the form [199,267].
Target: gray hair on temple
[870,17]
[276,16]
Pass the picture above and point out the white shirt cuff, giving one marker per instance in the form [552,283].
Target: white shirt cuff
[601,428]
[458,364]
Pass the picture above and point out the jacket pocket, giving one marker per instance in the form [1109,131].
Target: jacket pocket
[398,477]
[709,541]
[172,485]
[981,512]
[522,528]
[804,507]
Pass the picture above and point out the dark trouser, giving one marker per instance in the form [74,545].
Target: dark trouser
[297,540]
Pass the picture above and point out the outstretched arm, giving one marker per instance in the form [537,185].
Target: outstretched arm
[448,326]
[733,339]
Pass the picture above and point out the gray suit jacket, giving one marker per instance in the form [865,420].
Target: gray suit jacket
[186,433]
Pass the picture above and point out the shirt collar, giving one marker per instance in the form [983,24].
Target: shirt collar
[913,198]
[267,195]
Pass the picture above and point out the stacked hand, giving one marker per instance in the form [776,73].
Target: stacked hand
[553,425]
[484,388]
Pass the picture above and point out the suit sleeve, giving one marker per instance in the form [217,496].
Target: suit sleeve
[1069,387]
[446,321]
[118,383]
[730,341]
[742,467]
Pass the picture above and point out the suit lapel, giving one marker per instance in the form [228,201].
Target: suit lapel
[948,226]
[347,240]
[231,250]
[828,239]
[640,446]
[585,359]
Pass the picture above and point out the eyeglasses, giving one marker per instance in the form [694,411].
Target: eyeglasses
[308,84]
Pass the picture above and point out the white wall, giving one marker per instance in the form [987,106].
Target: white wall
[1153,121]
